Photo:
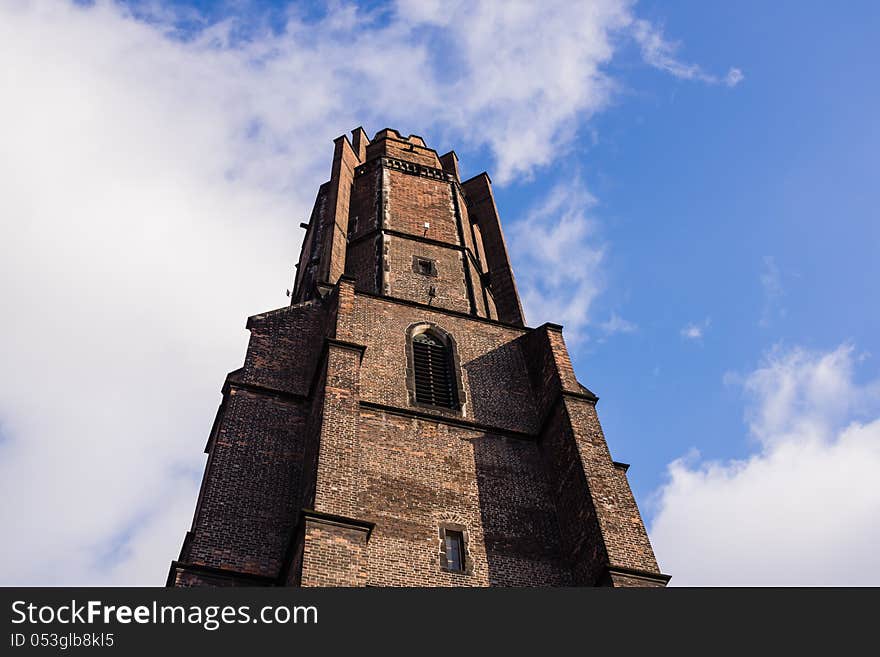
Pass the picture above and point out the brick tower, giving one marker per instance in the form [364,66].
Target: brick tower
[398,424]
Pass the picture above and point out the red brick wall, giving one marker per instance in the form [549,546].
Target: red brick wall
[364,206]
[250,493]
[481,206]
[414,200]
[401,201]
[335,230]
[364,262]
[581,534]
[404,283]
[308,265]
[623,531]
[418,474]
[333,555]
[493,370]
[281,354]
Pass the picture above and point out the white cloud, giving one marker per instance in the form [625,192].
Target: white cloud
[526,102]
[695,331]
[692,332]
[148,193]
[803,508]
[734,77]
[660,53]
[617,324]
[557,259]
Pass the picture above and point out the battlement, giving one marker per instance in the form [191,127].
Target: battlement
[390,143]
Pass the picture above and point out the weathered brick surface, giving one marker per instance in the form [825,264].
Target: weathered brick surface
[625,538]
[308,266]
[404,283]
[415,200]
[489,354]
[324,470]
[482,210]
[366,200]
[250,494]
[333,555]
[581,535]
[281,353]
[335,237]
[338,453]
[417,475]
[364,263]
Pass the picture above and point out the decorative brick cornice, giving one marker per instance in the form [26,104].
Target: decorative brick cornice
[406,167]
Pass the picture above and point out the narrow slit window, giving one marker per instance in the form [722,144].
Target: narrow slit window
[454,550]
[432,362]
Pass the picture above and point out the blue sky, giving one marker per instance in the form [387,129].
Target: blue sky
[706,191]
[712,169]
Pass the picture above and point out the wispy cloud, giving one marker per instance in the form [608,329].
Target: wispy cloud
[734,77]
[617,324]
[695,331]
[802,508]
[661,53]
[558,258]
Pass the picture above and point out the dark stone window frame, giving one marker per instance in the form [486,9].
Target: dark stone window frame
[418,263]
[458,409]
[467,566]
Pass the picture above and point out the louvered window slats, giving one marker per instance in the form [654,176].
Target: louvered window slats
[432,374]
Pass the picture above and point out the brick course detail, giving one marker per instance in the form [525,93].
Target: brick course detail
[323,470]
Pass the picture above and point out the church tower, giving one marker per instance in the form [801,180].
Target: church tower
[399,424]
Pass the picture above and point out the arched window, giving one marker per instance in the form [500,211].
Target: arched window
[432,370]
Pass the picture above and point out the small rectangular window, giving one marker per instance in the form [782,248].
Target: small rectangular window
[454,551]
[424,266]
